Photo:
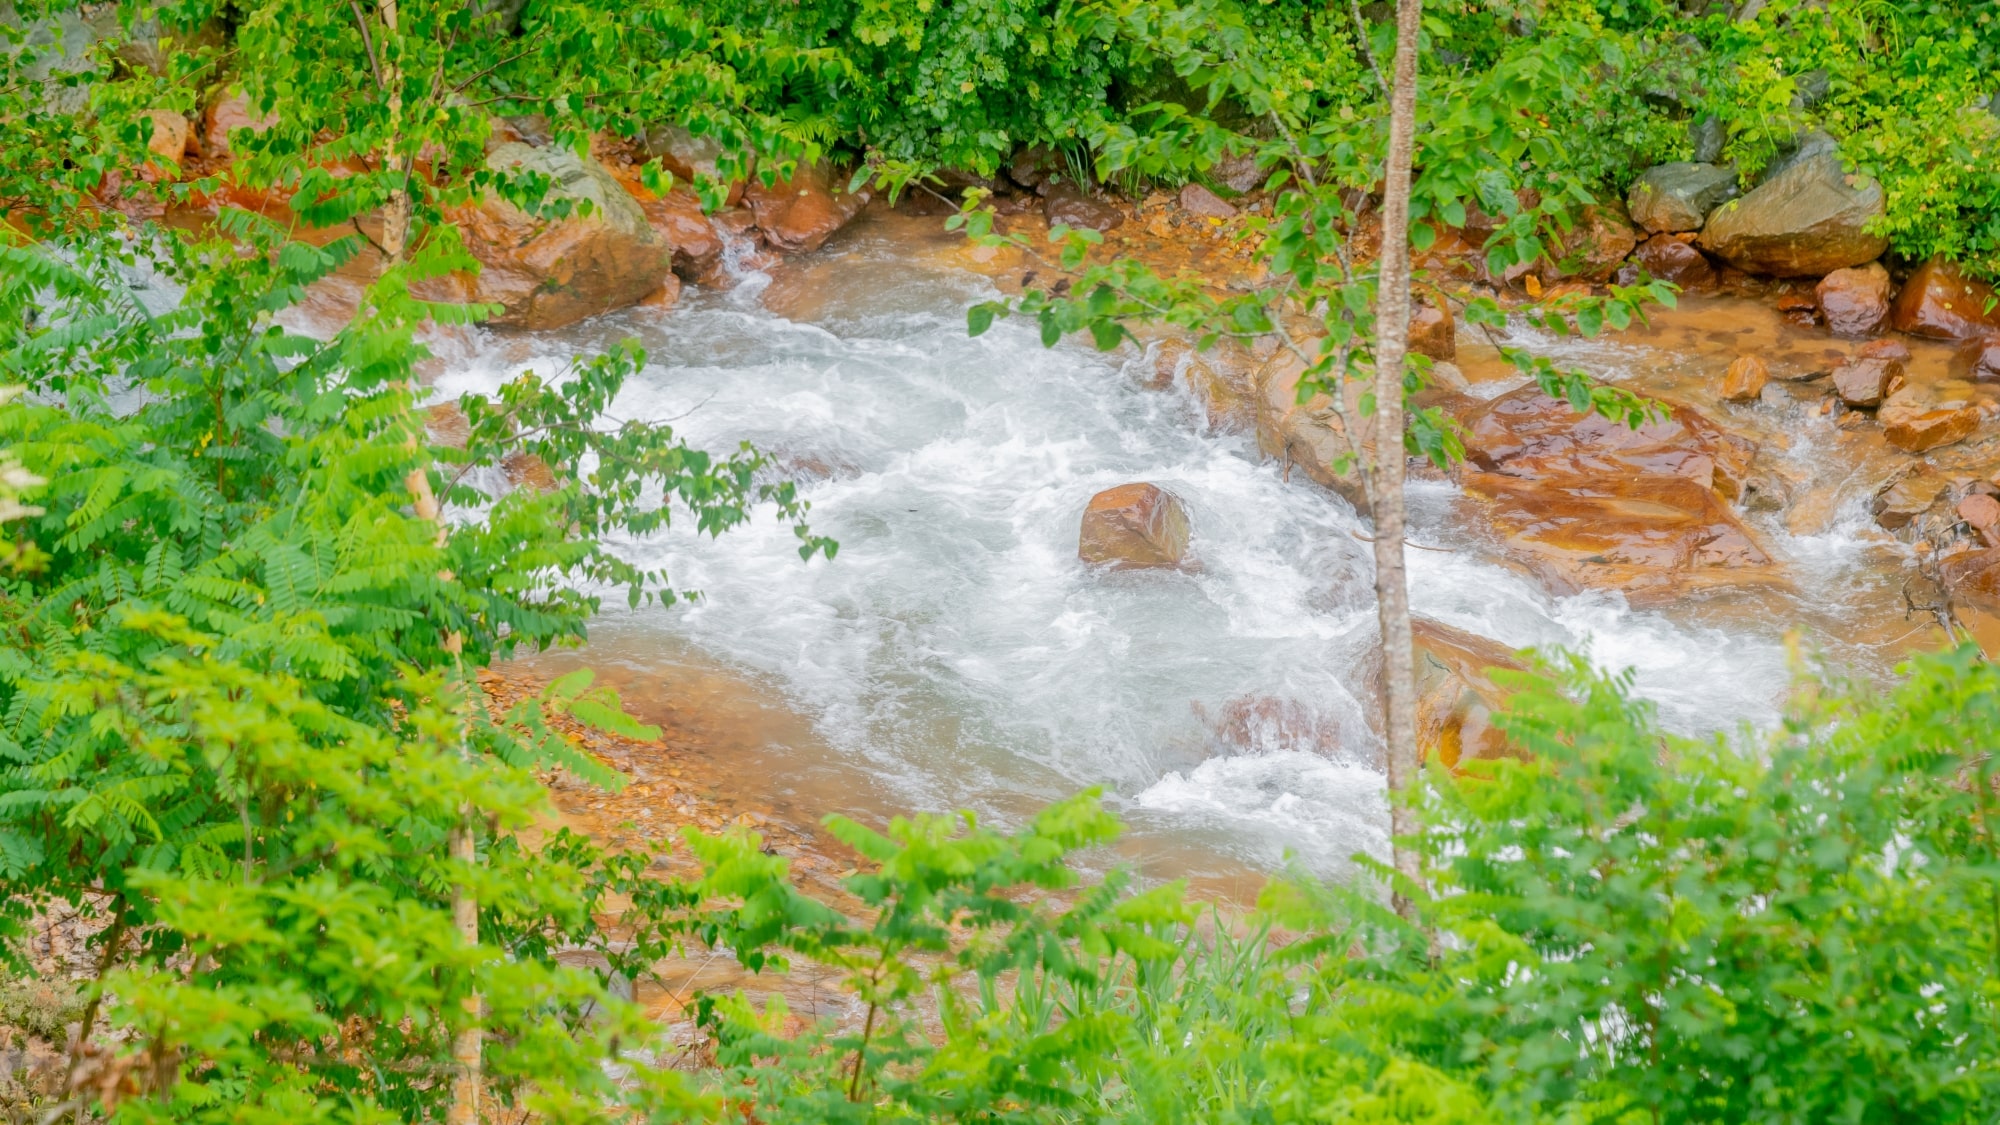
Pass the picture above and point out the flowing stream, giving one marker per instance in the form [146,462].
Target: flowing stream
[957,654]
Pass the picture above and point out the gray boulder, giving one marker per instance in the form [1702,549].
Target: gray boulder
[1678,197]
[1807,221]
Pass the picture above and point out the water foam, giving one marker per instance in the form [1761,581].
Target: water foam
[959,649]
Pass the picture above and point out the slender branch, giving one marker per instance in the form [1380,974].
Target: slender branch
[1367,49]
[368,41]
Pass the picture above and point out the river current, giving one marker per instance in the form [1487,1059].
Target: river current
[956,654]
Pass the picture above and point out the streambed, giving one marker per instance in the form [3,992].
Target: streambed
[956,654]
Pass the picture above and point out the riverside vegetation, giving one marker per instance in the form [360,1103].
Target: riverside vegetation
[251,579]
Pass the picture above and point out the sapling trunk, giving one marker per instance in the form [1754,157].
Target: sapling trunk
[1392,325]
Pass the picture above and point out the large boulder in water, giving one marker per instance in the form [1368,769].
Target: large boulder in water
[1918,418]
[1670,259]
[1806,221]
[1677,197]
[550,272]
[1940,302]
[1134,526]
[1529,435]
[1457,696]
[1588,502]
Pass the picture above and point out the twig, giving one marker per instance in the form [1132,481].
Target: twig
[367,41]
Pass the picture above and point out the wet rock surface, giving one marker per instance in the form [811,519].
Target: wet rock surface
[1807,221]
[1864,381]
[799,214]
[1676,260]
[1743,380]
[548,273]
[1069,207]
[1134,527]
[1457,696]
[1855,301]
[1940,303]
[1671,198]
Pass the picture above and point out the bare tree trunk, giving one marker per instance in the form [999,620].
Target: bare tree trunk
[467,1045]
[1392,328]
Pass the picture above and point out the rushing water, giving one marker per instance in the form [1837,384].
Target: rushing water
[957,654]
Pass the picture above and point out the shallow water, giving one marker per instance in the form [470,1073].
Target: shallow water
[957,654]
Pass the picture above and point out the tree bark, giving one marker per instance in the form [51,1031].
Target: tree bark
[468,1044]
[1392,328]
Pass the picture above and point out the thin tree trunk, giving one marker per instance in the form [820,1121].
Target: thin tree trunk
[1392,327]
[467,1045]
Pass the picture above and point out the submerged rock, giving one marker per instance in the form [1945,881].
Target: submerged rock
[1134,526]
[549,273]
[1456,695]
[1855,301]
[1677,197]
[1941,303]
[801,213]
[1808,220]
[1744,380]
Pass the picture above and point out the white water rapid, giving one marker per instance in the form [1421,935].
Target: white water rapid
[958,652]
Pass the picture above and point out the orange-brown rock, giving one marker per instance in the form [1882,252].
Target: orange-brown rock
[1864,382]
[1982,513]
[1169,359]
[1907,497]
[1744,380]
[1972,579]
[1978,359]
[1432,333]
[1066,206]
[1527,434]
[1671,259]
[1456,695]
[1199,201]
[225,115]
[1645,534]
[1134,526]
[1885,349]
[548,273]
[1309,436]
[689,157]
[1855,301]
[677,219]
[1600,238]
[1940,302]
[170,134]
[666,296]
[801,213]
[525,470]
[1914,421]
[1226,392]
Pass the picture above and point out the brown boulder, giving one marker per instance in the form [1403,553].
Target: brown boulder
[1670,259]
[1456,695]
[1907,497]
[1943,304]
[1225,394]
[526,470]
[1855,301]
[1066,206]
[1525,433]
[1913,422]
[225,115]
[801,213]
[1978,359]
[688,157]
[169,134]
[1982,513]
[1592,248]
[1642,533]
[1744,380]
[1198,200]
[548,273]
[1134,526]
[1973,578]
[1865,382]
[1808,220]
[1432,333]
